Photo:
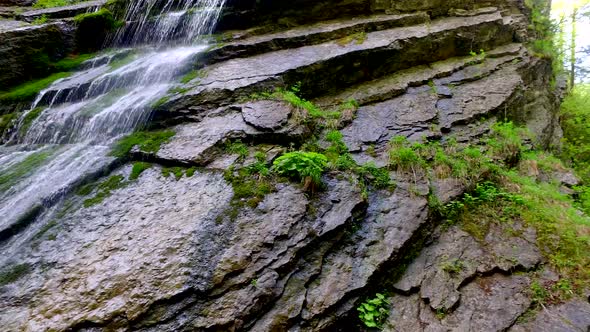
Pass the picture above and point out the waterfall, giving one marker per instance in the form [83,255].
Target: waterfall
[78,118]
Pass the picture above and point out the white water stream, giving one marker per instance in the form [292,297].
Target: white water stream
[83,115]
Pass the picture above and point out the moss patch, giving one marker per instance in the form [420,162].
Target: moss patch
[149,142]
[29,118]
[13,273]
[105,189]
[138,168]
[29,90]
[11,176]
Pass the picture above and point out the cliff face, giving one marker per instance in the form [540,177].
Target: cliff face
[181,249]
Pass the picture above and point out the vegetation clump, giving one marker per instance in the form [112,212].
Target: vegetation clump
[373,312]
[104,190]
[138,168]
[305,166]
[178,172]
[13,273]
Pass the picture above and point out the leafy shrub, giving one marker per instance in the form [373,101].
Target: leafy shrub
[373,312]
[302,165]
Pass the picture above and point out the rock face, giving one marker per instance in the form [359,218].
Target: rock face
[28,50]
[186,251]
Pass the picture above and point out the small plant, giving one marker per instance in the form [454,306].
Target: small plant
[453,267]
[358,38]
[237,147]
[404,157]
[306,166]
[373,312]
[40,20]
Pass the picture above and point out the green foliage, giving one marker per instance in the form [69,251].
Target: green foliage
[405,157]
[377,177]
[105,189]
[453,266]
[484,193]
[40,20]
[301,165]
[237,147]
[6,122]
[138,168]
[13,273]
[250,186]
[506,142]
[52,3]
[147,141]
[292,97]
[359,38]
[373,312]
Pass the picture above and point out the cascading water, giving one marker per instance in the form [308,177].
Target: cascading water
[82,115]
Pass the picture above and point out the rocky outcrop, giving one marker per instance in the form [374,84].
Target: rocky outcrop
[180,248]
[27,51]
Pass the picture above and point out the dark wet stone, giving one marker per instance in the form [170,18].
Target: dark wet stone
[267,114]
[487,304]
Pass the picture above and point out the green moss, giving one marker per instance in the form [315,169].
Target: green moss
[11,176]
[249,188]
[52,3]
[93,29]
[40,20]
[13,273]
[147,141]
[404,157]
[191,75]
[178,172]
[160,102]
[105,189]
[358,38]
[29,90]
[6,122]
[103,15]
[237,147]
[292,97]
[45,228]
[29,118]
[138,168]
[120,62]
[71,62]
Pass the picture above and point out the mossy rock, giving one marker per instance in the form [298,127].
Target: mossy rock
[94,28]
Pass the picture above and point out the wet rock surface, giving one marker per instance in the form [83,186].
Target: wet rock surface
[182,253]
[26,50]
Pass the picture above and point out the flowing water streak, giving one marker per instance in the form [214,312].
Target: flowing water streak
[156,21]
[85,113]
